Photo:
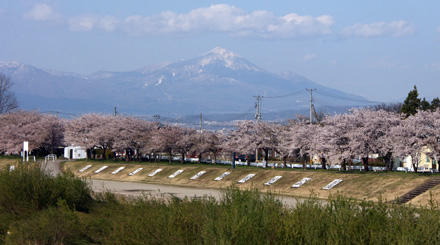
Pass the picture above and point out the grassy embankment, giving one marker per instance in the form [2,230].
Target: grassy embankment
[358,185]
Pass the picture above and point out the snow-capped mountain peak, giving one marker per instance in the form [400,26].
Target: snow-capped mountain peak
[10,64]
[228,58]
[221,53]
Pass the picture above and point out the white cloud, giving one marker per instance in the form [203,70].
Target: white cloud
[43,12]
[309,57]
[90,22]
[215,18]
[399,28]
[433,67]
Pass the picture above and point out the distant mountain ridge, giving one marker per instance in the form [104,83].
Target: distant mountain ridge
[217,82]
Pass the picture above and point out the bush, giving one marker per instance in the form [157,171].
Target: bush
[29,189]
[54,225]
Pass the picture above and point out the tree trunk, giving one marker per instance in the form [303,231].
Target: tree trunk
[183,158]
[415,167]
[323,163]
[248,161]
[344,165]
[170,158]
[266,157]
[104,149]
[200,158]
[437,165]
[285,161]
[388,164]
[215,158]
[365,163]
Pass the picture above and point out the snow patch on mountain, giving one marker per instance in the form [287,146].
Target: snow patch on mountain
[160,80]
[10,64]
[102,75]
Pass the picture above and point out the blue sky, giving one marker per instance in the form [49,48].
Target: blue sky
[377,49]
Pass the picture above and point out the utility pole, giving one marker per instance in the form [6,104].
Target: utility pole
[311,102]
[257,107]
[115,112]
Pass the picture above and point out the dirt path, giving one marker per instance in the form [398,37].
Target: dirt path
[134,188]
[53,167]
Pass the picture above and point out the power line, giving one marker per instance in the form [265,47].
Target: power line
[58,112]
[348,99]
[285,95]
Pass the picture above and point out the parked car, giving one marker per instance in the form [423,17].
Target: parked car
[244,157]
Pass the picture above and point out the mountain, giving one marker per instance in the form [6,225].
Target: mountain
[218,82]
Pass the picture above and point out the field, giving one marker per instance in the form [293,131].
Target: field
[358,185]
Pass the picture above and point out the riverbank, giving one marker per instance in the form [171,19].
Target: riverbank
[358,185]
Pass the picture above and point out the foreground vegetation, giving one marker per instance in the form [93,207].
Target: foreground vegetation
[36,208]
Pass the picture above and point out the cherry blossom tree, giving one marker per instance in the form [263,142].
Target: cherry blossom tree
[40,130]
[185,142]
[215,142]
[265,137]
[92,130]
[285,146]
[301,139]
[165,138]
[242,139]
[131,135]
[434,139]
[338,128]
[385,144]
[413,136]
[368,130]
[51,132]
[320,138]
[205,141]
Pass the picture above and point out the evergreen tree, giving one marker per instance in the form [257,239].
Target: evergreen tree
[412,103]
[424,105]
[435,103]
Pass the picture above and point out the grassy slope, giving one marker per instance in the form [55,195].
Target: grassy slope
[369,186]
[9,160]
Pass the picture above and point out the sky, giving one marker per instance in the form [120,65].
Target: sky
[377,49]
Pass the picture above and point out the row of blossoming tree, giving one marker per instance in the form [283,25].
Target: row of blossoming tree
[337,139]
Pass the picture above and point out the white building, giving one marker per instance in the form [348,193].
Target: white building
[75,152]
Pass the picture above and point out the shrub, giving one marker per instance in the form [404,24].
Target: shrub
[29,189]
[54,225]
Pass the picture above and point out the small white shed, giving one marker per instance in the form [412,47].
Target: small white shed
[75,152]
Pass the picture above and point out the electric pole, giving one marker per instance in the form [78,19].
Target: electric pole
[311,102]
[257,107]
[115,112]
